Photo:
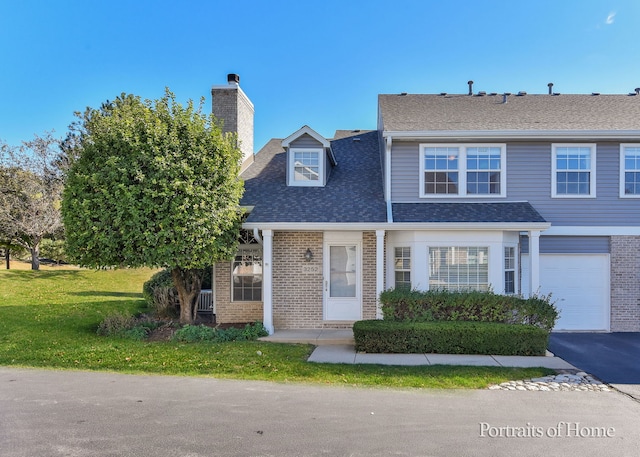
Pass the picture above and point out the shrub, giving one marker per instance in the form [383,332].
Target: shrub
[403,305]
[449,338]
[115,325]
[254,331]
[195,333]
[161,295]
[127,326]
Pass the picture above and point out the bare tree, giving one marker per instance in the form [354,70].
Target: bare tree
[30,193]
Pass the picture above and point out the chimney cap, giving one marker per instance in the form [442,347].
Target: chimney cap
[233,78]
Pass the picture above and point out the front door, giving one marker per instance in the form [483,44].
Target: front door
[342,281]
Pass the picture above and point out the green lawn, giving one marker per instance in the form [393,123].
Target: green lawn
[49,319]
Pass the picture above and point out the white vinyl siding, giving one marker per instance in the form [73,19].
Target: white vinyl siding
[574,171]
[630,170]
[462,170]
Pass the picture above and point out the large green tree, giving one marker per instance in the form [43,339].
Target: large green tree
[30,193]
[152,183]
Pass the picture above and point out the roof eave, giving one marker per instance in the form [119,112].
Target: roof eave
[512,134]
[364,226]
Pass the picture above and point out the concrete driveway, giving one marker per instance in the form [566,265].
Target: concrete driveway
[612,357]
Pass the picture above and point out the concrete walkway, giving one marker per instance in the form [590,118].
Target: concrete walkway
[338,346]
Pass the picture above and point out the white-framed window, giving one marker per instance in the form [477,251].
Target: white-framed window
[306,167]
[509,270]
[573,171]
[459,268]
[630,170]
[246,275]
[462,170]
[402,267]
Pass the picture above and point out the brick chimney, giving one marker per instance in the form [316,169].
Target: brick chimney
[232,106]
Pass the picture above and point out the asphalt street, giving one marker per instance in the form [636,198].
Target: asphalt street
[66,413]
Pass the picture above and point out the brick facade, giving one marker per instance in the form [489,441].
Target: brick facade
[231,105]
[297,295]
[625,283]
[369,298]
[228,311]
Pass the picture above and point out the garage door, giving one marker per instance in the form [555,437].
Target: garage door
[579,284]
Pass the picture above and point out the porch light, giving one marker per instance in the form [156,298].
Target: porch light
[308,256]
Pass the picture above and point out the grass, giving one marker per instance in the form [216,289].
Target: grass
[48,319]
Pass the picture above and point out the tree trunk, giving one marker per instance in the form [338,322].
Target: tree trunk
[188,283]
[35,257]
[7,257]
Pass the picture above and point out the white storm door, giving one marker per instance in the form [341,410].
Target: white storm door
[342,281]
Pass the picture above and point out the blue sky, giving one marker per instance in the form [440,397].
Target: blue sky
[317,63]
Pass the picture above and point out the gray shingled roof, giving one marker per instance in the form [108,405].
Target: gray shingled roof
[353,192]
[502,212]
[527,112]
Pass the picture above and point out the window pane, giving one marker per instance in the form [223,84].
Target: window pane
[483,182]
[574,175]
[509,282]
[306,166]
[342,276]
[403,267]
[459,268]
[246,275]
[632,177]
[509,270]
[631,183]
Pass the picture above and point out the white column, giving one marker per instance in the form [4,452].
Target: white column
[379,270]
[534,262]
[267,280]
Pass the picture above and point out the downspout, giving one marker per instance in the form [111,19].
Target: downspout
[256,235]
[387,178]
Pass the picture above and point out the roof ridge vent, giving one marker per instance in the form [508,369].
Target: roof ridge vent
[595,93]
[443,93]
[403,93]
[522,93]
[482,93]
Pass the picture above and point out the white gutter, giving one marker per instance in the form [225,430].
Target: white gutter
[364,226]
[615,135]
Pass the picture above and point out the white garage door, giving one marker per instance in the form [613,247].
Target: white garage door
[579,284]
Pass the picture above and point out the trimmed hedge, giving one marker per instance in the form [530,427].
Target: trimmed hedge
[379,336]
[441,305]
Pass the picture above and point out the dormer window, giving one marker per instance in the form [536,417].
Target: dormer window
[309,158]
[306,167]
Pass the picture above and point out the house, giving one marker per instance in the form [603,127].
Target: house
[517,193]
